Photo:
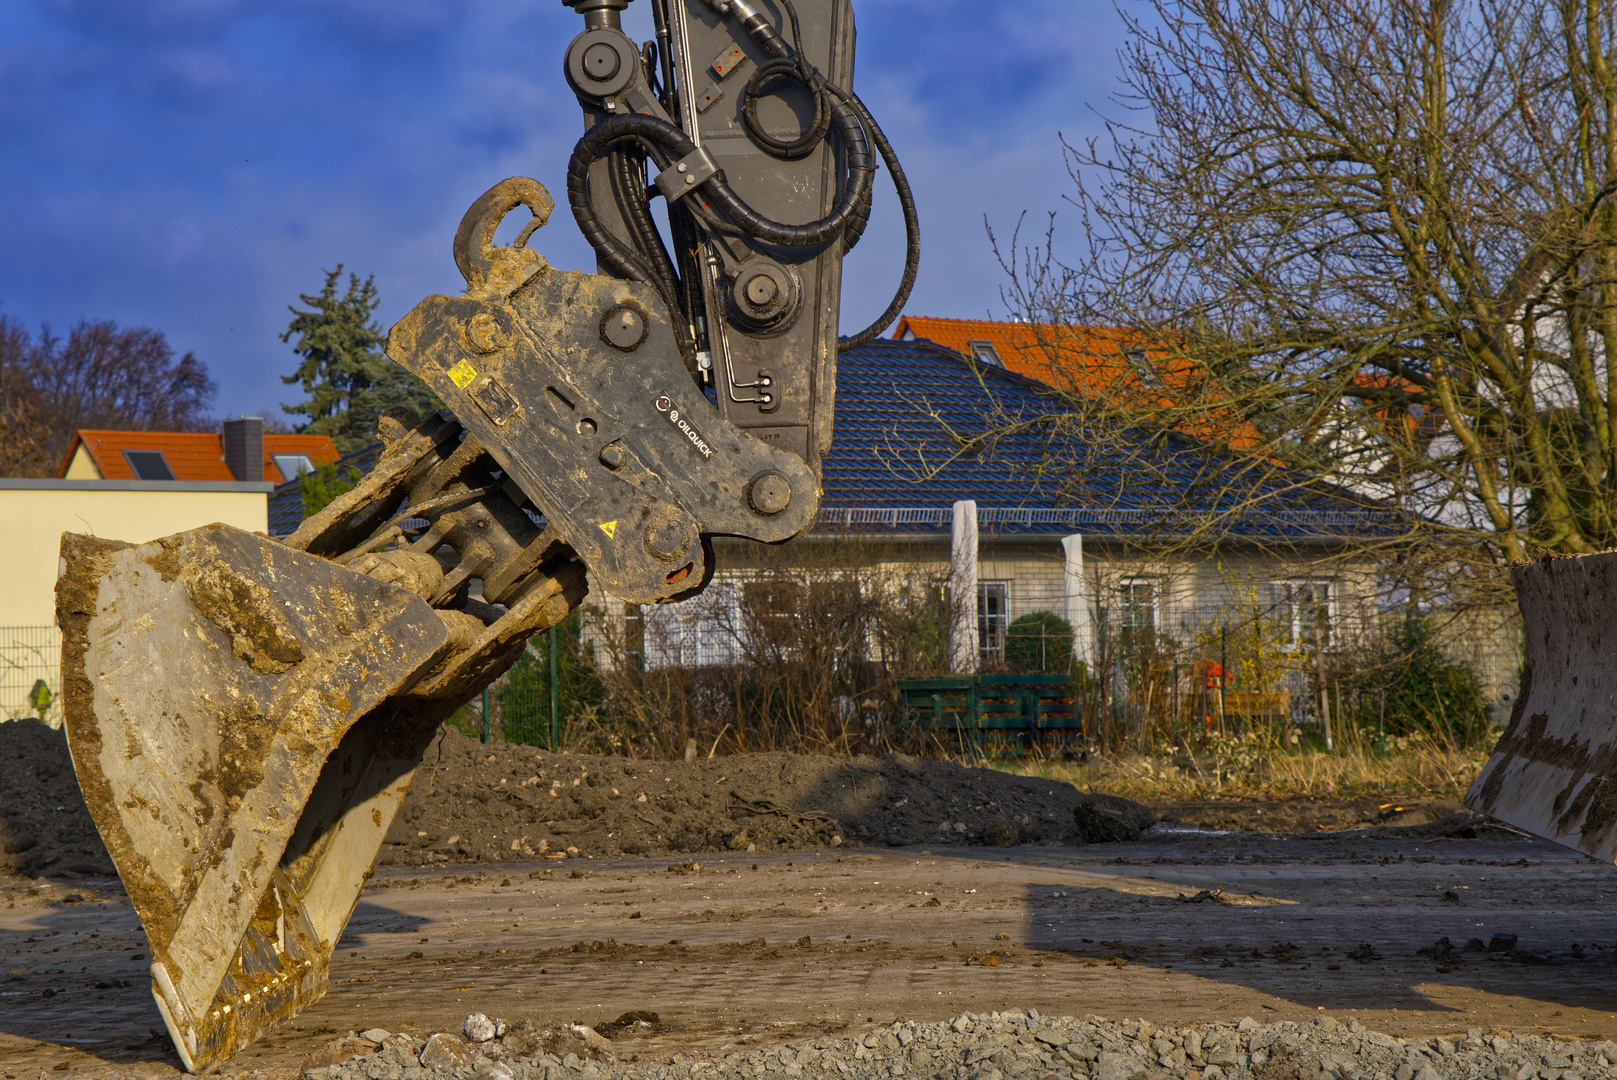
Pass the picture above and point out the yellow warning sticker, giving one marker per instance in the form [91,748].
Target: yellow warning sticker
[462,374]
[610,528]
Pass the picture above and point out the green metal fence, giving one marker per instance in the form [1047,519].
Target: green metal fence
[527,705]
[31,674]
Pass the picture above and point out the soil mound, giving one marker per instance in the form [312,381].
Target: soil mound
[486,803]
[45,827]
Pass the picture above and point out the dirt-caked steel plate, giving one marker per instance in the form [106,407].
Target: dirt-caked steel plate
[208,677]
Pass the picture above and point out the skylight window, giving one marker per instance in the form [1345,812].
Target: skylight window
[985,354]
[1141,363]
[148,465]
[291,465]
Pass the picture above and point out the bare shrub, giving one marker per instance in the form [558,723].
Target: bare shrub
[799,651]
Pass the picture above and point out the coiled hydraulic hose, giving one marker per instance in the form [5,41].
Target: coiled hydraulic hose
[664,143]
[819,86]
[657,134]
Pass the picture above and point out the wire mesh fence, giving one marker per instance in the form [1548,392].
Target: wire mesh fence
[31,674]
[522,705]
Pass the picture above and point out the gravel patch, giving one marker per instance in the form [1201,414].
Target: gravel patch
[999,1046]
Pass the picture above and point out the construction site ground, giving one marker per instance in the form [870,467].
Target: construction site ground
[731,948]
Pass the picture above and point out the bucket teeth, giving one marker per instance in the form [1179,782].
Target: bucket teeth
[226,706]
[280,968]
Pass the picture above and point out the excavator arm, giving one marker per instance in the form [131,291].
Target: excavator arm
[245,715]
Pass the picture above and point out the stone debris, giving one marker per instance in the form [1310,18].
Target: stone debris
[443,1053]
[478,1028]
[1006,1046]
[340,1050]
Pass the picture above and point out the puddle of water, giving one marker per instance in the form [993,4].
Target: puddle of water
[1164,828]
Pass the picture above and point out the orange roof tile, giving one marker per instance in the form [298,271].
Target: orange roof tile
[191,455]
[1117,366]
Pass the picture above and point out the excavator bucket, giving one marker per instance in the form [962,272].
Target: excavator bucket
[1554,771]
[227,705]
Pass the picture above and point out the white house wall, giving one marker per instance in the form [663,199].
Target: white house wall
[1218,588]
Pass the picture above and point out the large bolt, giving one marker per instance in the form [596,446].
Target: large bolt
[762,289]
[770,493]
[600,61]
[484,333]
[623,327]
[668,539]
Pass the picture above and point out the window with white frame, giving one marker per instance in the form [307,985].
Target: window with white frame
[1302,610]
[985,354]
[292,466]
[1138,601]
[993,617]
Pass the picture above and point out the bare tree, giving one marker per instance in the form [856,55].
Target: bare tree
[1385,233]
[100,376]
[21,451]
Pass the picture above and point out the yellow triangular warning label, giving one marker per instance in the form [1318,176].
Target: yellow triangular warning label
[610,528]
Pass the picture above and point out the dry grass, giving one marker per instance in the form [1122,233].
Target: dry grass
[1248,768]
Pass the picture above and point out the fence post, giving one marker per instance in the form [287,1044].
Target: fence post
[554,738]
[485,714]
[1223,672]
[1324,696]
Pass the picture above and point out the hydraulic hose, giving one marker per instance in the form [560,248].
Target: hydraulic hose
[659,135]
[912,230]
[644,258]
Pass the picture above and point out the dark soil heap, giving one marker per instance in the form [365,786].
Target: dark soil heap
[44,825]
[484,803]
[477,803]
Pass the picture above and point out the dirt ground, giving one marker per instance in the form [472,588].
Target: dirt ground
[732,948]
[44,824]
[1177,929]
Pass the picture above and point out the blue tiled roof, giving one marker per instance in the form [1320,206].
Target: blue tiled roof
[904,410]
[286,501]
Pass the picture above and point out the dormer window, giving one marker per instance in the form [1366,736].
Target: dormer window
[148,464]
[1142,364]
[984,353]
[292,466]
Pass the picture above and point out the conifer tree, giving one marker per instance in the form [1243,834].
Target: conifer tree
[348,379]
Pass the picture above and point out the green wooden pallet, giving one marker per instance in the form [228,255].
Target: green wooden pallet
[1030,710]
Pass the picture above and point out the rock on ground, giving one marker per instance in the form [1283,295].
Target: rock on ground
[1011,1044]
[1108,819]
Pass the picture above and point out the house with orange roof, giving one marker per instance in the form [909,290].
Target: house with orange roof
[131,486]
[1116,366]
[240,451]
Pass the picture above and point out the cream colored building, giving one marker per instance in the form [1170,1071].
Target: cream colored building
[33,516]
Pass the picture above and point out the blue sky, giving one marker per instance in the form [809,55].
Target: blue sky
[193,165]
